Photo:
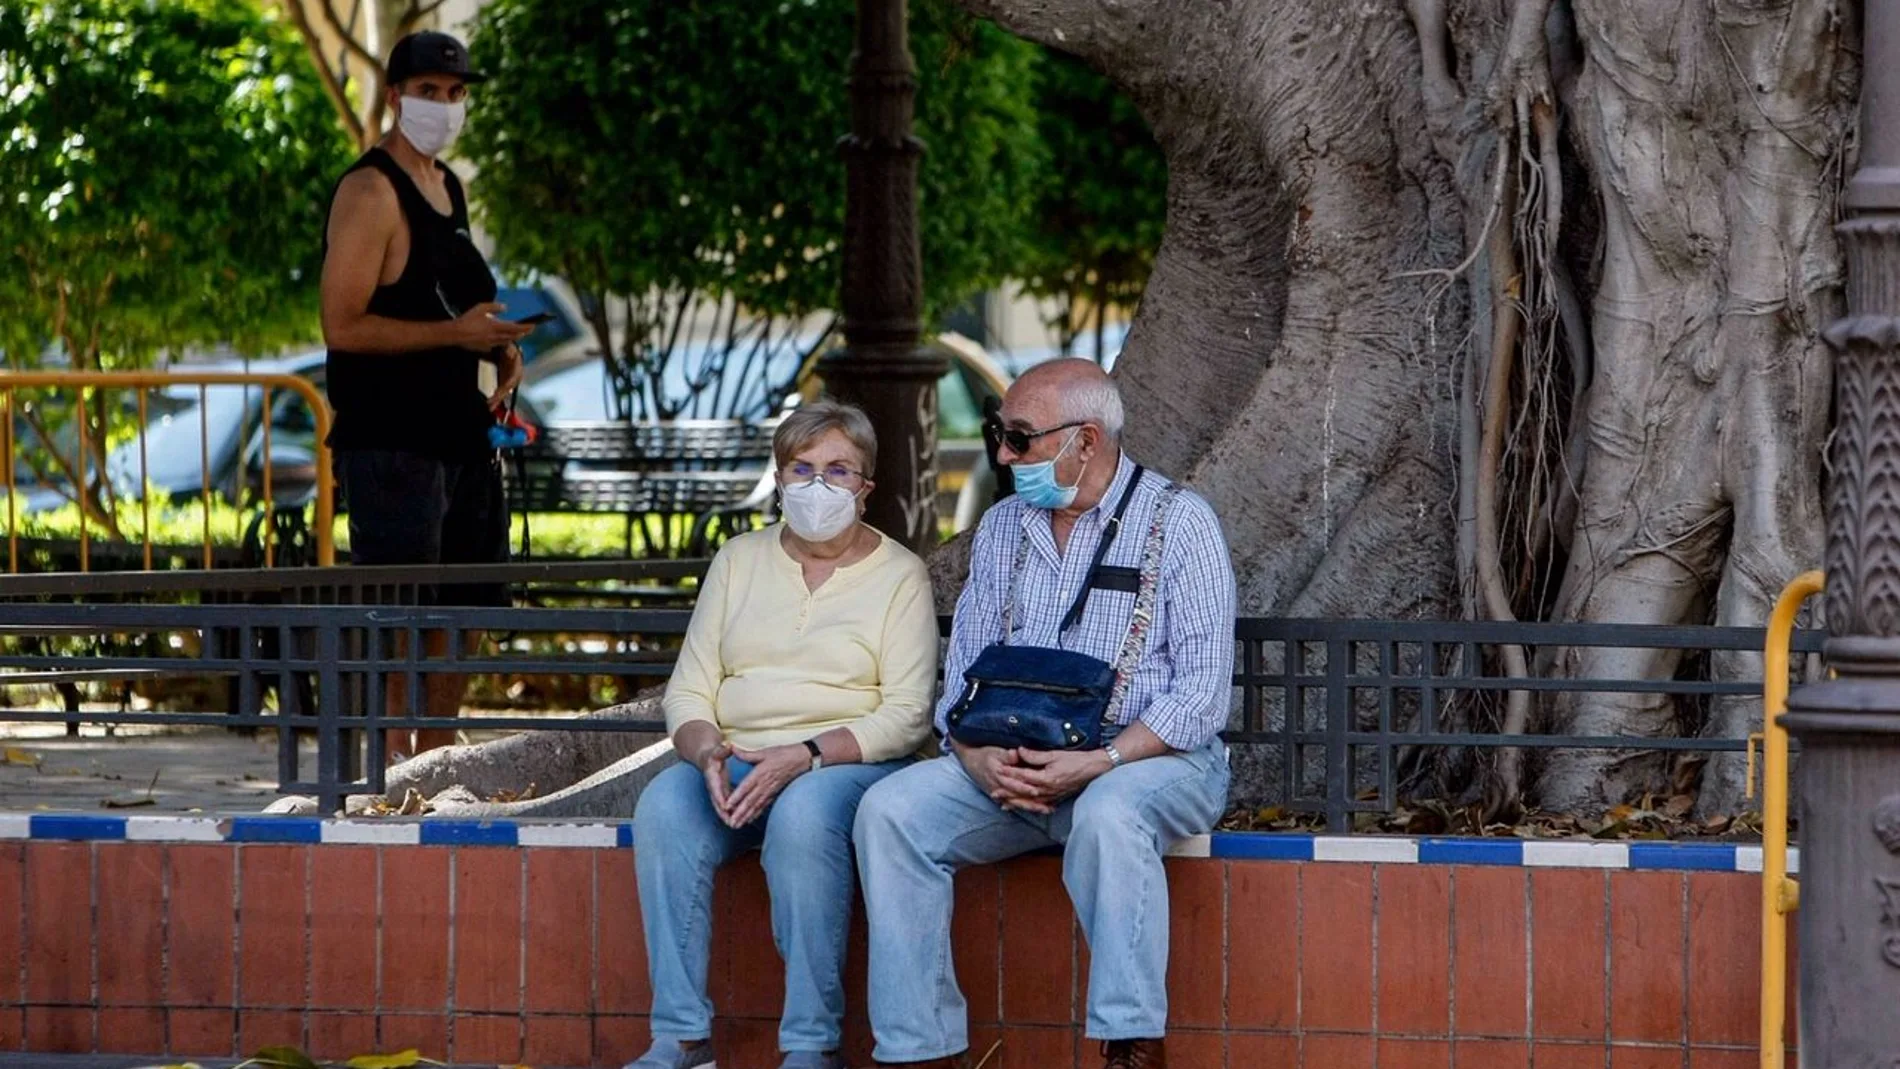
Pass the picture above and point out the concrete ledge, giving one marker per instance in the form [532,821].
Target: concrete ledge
[1222,845]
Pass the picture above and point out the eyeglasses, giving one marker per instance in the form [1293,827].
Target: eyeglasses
[1019,441]
[834,474]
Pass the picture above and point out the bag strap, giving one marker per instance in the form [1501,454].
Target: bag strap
[1114,527]
[1074,615]
[1136,643]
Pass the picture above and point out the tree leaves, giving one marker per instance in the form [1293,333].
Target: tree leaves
[648,145]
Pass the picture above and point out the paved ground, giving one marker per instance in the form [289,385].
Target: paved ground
[142,770]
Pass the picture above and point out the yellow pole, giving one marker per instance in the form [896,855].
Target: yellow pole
[1780,895]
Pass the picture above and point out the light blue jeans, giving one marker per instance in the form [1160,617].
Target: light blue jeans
[806,837]
[916,828]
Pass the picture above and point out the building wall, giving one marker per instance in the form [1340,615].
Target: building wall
[508,943]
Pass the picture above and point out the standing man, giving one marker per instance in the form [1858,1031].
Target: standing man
[409,316]
[1159,775]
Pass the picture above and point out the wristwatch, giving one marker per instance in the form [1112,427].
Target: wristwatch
[1114,756]
[817,755]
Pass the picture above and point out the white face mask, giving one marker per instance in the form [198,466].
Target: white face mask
[430,125]
[818,511]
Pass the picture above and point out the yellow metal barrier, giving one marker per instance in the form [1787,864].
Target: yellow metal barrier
[1780,895]
[143,381]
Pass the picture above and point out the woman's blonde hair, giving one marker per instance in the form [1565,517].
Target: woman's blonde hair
[811,422]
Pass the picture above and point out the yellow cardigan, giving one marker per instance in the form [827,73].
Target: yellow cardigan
[769,662]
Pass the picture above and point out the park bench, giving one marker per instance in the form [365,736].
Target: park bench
[684,486]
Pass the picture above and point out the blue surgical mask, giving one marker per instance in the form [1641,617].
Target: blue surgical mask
[1036,483]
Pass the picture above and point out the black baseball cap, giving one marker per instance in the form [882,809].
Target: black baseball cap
[429,52]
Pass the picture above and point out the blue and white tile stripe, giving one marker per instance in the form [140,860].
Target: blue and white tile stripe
[1269,846]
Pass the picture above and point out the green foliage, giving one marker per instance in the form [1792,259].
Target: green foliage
[167,166]
[691,147]
[1103,198]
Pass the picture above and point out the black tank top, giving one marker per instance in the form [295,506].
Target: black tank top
[430,401]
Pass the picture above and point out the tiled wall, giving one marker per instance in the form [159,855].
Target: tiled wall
[514,953]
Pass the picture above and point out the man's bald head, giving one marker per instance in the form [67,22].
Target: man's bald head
[1070,390]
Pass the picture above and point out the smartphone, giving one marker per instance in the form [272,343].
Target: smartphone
[534,320]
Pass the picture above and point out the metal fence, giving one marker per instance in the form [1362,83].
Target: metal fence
[86,462]
[1339,702]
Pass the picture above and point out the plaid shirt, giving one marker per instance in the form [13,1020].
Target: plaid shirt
[1183,683]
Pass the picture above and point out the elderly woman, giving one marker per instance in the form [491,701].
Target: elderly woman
[806,676]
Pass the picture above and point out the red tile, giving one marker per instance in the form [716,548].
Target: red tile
[754,983]
[1414,1053]
[415,932]
[485,1038]
[488,930]
[1336,948]
[1491,1054]
[1567,953]
[269,1028]
[1187,1049]
[427,1034]
[619,1040]
[857,966]
[1725,958]
[1414,939]
[52,1030]
[1197,943]
[1251,1050]
[203,1033]
[343,927]
[1033,1048]
[132,910]
[272,883]
[1263,945]
[12,1028]
[1704,1058]
[558,1041]
[1038,925]
[621,987]
[1488,951]
[1568,1056]
[337,1036]
[746,1041]
[200,927]
[560,940]
[12,910]
[1334,1051]
[1645,1057]
[975,929]
[132,1031]
[1084,961]
[59,925]
[1646,956]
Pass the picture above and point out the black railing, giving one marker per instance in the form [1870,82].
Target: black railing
[1338,703]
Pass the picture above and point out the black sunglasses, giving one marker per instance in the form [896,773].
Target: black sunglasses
[1019,441]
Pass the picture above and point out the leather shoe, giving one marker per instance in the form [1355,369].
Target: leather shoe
[1134,1054]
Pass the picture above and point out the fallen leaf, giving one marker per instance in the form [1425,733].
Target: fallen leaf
[1678,806]
[128,803]
[402,1059]
[27,758]
[283,1058]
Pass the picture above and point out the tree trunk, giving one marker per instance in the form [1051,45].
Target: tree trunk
[1615,212]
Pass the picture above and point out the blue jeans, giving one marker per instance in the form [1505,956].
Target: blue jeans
[916,828]
[806,835]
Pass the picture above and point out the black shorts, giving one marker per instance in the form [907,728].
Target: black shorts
[408,508]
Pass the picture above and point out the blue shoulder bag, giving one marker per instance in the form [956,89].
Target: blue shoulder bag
[1048,698]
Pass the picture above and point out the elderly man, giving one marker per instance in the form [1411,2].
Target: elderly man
[1159,775]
